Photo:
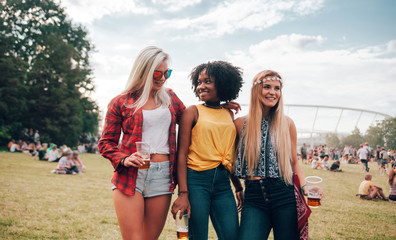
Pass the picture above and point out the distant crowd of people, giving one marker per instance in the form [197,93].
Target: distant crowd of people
[68,160]
[319,157]
[88,144]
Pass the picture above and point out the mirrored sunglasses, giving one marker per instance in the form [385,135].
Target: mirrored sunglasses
[158,74]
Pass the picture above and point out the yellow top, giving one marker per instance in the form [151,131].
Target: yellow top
[364,187]
[212,140]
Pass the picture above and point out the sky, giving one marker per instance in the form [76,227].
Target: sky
[329,52]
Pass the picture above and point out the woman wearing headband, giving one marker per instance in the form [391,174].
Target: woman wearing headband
[267,159]
[144,111]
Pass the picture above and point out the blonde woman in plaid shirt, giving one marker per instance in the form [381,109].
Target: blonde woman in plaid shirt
[146,111]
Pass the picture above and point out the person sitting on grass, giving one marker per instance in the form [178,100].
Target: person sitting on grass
[368,190]
[317,163]
[392,183]
[335,167]
[66,165]
[42,153]
[76,160]
[326,163]
[14,147]
[53,155]
[32,150]
[352,160]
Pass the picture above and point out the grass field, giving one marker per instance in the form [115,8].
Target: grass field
[35,204]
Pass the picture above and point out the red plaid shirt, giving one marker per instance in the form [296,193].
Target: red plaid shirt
[119,117]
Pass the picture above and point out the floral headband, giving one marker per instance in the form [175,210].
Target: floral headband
[267,79]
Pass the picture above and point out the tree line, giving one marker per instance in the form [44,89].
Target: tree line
[45,74]
[382,134]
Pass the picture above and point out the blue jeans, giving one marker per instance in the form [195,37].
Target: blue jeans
[210,194]
[268,203]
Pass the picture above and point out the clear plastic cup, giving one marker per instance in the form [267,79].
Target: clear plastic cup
[314,190]
[144,149]
[182,225]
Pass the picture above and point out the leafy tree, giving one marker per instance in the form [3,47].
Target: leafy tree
[332,140]
[388,126]
[375,136]
[355,139]
[45,69]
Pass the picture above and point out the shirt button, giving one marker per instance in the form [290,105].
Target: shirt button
[262,187]
[266,200]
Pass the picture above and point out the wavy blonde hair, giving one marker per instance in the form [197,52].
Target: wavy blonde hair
[279,130]
[141,77]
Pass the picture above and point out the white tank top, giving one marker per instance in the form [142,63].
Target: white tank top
[156,125]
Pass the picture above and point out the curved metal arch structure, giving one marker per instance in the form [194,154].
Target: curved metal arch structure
[361,111]
[318,135]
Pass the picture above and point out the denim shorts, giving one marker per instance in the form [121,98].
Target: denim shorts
[154,181]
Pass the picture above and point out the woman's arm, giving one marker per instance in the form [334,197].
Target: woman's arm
[108,143]
[80,162]
[238,191]
[188,119]
[294,162]
[235,181]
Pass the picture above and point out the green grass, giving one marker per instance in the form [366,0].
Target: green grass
[35,204]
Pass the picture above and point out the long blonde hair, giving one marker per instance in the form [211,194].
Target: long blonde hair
[141,77]
[279,130]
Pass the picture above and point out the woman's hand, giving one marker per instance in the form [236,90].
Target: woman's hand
[232,106]
[239,196]
[134,160]
[181,204]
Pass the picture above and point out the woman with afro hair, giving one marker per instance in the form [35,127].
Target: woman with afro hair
[206,150]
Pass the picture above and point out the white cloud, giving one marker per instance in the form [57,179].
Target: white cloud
[87,11]
[176,5]
[391,46]
[229,17]
[287,43]
[357,78]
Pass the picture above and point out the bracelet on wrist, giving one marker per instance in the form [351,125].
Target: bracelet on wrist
[302,189]
[181,192]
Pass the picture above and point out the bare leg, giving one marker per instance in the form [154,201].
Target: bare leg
[155,214]
[372,193]
[130,214]
[381,194]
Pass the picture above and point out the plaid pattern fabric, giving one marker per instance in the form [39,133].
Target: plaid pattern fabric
[119,118]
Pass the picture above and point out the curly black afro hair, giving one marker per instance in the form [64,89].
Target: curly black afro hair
[228,78]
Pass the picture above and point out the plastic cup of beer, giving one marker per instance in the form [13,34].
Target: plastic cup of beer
[144,149]
[182,225]
[314,190]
